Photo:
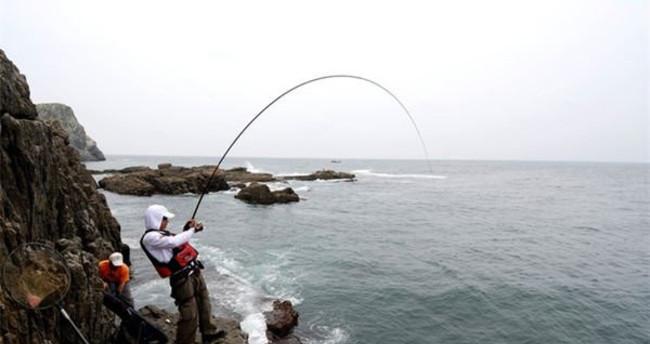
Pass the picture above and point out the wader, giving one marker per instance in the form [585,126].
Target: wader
[194,311]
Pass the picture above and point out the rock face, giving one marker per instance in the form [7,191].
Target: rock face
[47,195]
[167,323]
[280,323]
[14,91]
[62,113]
[323,175]
[257,193]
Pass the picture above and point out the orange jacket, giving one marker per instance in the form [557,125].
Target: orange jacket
[117,275]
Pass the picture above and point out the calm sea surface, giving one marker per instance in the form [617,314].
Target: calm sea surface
[479,252]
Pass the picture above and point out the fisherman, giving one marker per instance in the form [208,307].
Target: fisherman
[115,275]
[174,257]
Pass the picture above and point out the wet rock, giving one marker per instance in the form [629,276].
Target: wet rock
[257,193]
[166,321]
[282,319]
[322,175]
[47,195]
[63,114]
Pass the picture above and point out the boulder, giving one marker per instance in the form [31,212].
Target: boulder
[322,175]
[86,146]
[257,193]
[282,319]
[164,165]
[166,321]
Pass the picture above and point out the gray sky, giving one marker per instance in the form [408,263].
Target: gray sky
[528,80]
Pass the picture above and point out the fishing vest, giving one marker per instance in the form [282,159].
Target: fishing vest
[183,256]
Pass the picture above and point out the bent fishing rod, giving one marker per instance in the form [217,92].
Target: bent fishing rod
[406,111]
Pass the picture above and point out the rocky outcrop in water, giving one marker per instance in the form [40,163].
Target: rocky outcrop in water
[47,195]
[168,180]
[280,323]
[78,138]
[323,175]
[175,180]
[257,193]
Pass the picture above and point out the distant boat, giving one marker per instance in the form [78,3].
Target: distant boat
[335,161]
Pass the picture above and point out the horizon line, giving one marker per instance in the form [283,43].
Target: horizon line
[396,159]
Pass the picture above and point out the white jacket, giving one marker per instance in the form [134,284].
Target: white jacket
[161,246]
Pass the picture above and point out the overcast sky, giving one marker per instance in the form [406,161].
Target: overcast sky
[525,80]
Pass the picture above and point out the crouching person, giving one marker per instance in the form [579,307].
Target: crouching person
[115,275]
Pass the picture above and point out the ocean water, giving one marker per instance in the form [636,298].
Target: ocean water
[478,252]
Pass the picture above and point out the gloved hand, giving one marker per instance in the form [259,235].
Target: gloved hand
[189,224]
[198,227]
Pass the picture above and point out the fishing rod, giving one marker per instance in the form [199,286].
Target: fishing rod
[417,130]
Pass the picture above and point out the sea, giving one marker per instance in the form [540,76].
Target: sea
[410,253]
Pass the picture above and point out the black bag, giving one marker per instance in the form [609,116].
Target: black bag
[133,325]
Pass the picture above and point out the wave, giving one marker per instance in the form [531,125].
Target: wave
[370,173]
[276,186]
[231,191]
[250,168]
[255,326]
[303,188]
[249,291]
[325,334]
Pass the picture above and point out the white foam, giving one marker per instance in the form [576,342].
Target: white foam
[255,326]
[304,188]
[391,175]
[231,191]
[293,174]
[334,335]
[332,181]
[275,186]
[248,290]
[250,168]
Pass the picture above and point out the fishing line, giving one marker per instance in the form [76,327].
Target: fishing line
[417,130]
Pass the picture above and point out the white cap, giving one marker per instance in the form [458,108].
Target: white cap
[116,259]
[153,216]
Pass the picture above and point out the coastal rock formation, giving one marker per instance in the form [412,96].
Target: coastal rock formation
[257,193]
[323,175]
[47,195]
[170,180]
[123,170]
[14,91]
[63,114]
[280,322]
[175,180]
[166,322]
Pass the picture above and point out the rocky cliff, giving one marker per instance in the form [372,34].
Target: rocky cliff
[86,146]
[47,195]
